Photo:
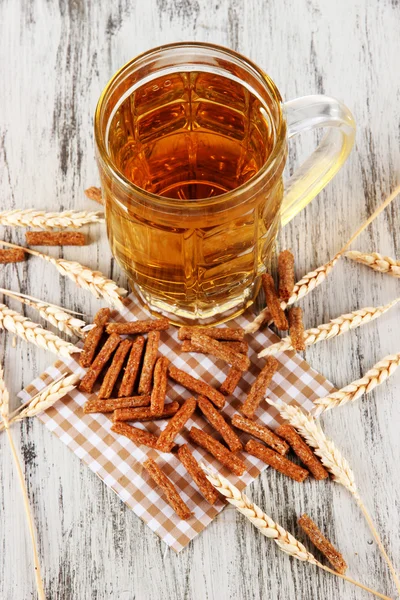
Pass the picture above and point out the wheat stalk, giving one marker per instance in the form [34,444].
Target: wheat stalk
[4,398]
[332,329]
[50,220]
[314,278]
[336,464]
[93,281]
[56,315]
[29,331]
[375,376]
[268,527]
[383,264]
[4,411]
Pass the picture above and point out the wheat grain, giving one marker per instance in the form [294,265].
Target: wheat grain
[334,328]
[375,376]
[334,461]
[47,397]
[57,316]
[312,432]
[383,264]
[263,316]
[314,278]
[50,220]
[93,281]
[14,415]
[29,331]
[268,527]
[263,522]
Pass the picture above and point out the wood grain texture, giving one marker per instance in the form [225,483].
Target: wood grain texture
[55,59]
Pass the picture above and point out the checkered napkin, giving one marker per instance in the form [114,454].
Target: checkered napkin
[118,461]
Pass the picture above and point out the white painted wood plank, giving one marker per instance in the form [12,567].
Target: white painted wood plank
[55,59]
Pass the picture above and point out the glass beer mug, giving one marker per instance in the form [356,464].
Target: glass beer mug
[191,144]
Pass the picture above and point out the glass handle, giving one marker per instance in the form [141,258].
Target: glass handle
[304,114]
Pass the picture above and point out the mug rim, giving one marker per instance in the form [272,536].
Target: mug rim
[164,201]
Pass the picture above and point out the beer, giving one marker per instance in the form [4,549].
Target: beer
[190,137]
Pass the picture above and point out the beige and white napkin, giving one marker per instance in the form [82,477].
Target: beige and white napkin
[118,461]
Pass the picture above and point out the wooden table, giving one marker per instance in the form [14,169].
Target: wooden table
[55,59]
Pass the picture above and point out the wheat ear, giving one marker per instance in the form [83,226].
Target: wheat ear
[29,331]
[335,463]
[50,220]
[383,264]
[56,315]
[93,281]
[4,411]
[47,397]
[375,376]
[332,329]
[268,527]
[314,278]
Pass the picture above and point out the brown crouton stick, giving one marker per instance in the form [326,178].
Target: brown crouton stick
[259,387]
[303,451]
[159,386]
[324,545]
[228,386]
[277,461]
[188,346]
[94,193]
[144,414]
[87,383]
[55,238]
[93,337]
[219,350]
[296,328]
[137,436]
[261,432]
[196,472]
[175,425]
[286,274]
[197,386]
[114,369]
[108,406]
[273,302]
[132,368]
[216,333]
[218,422]
[170,492]
[149,360]
[220,452]
[132,327]
[12,255]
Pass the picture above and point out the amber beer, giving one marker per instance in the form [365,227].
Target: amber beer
[191,147]
[189,138]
